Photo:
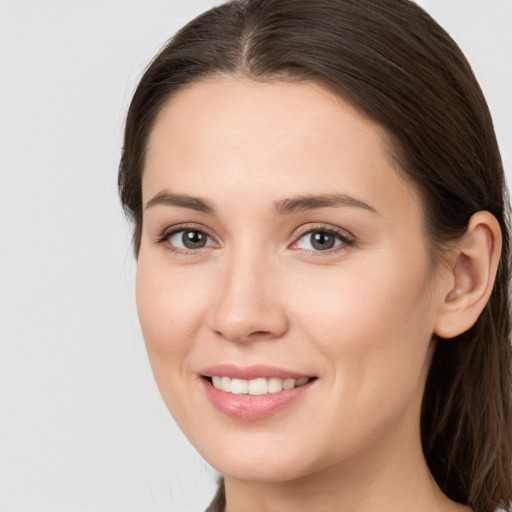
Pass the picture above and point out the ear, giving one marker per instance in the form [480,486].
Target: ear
[471,274]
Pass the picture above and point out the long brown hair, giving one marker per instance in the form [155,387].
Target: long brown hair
[400,68]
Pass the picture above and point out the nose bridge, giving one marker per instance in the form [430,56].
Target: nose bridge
[248,307]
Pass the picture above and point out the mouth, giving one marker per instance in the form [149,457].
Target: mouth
[256,387]
[253,393]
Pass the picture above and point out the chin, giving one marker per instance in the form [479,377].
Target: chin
[262,472]
[254,460]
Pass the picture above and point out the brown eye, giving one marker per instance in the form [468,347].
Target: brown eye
[194,239]
[321,240]
[189,239]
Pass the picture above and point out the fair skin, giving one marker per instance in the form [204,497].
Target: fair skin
[340,289]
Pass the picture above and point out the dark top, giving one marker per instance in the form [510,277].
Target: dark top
[219,501]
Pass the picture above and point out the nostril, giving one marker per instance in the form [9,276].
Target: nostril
[259,334]
[254,335]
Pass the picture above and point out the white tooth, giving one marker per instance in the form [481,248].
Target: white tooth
[258,387]
[226,384]
[301,382]
[289,384]
[239,386]
[217,382]
[275,385]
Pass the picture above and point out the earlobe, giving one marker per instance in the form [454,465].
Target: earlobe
[473,270]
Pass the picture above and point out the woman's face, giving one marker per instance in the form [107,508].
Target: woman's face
[280,242]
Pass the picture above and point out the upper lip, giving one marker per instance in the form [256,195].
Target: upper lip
[251,372]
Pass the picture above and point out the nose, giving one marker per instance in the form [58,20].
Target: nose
[248,306]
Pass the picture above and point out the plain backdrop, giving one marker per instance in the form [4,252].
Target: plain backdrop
[82,426]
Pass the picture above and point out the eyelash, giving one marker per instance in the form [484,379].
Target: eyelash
[168,233]
[347,240]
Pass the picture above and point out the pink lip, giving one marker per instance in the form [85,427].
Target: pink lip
[252,407]
[250,372]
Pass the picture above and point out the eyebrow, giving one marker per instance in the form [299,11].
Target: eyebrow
[282,207]
[311,202]
[182,200]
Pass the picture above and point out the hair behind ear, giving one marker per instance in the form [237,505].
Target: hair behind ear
[466,412]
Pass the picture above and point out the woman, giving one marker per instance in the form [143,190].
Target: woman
[321,229]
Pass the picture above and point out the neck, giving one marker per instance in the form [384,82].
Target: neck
[393,477]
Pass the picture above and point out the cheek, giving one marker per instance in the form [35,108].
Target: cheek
[372,323]
[170,312]
[171,306]
[372,326]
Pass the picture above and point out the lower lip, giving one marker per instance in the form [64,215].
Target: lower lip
[253,407]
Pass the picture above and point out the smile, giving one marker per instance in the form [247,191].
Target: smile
[255,392]
[258,386]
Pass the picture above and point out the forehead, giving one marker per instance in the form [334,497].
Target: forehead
[227,135]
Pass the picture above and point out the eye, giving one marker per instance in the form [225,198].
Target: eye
[188,239]
[321,239]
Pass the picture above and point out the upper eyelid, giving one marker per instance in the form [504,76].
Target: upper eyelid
[304,230]
[186,227]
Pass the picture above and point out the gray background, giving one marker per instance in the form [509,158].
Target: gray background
[82,426]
